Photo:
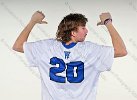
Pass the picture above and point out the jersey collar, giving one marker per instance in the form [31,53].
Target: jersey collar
[71,45]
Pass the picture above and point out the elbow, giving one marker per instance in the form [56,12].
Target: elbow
[124,53]
[121,53]
[17,48]
[14,48]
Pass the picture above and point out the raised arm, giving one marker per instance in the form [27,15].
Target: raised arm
[37,17]
[118,44]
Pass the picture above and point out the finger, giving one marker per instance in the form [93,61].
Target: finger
[105,13]
[38,11]
[99,23]
[43,14]
[43,22]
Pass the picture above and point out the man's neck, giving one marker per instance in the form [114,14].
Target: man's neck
[67,43]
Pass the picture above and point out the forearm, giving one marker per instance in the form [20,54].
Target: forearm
[18,45]
[118,44]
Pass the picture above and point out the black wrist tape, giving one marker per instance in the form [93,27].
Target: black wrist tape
[107,20]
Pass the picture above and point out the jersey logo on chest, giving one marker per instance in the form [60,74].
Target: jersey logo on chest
[67,53]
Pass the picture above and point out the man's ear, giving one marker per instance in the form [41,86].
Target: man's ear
[73,33]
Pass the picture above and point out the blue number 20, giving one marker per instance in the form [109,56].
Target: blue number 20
[69,71]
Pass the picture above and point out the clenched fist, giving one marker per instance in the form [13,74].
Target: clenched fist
[38,17]
[104,18]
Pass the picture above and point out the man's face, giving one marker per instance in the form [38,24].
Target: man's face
[81,33]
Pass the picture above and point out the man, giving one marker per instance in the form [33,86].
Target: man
[68,65]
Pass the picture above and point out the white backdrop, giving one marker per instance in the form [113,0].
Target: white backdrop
[20,82]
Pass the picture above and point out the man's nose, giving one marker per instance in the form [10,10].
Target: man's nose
[86,31]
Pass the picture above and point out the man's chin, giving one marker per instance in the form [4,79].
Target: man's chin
[82,40]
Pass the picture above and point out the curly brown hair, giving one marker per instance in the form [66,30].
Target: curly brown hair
[68,24]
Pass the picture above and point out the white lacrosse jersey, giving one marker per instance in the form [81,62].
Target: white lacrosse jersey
[69,72]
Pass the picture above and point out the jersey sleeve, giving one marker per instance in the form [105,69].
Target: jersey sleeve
[103,56]
[33,51]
